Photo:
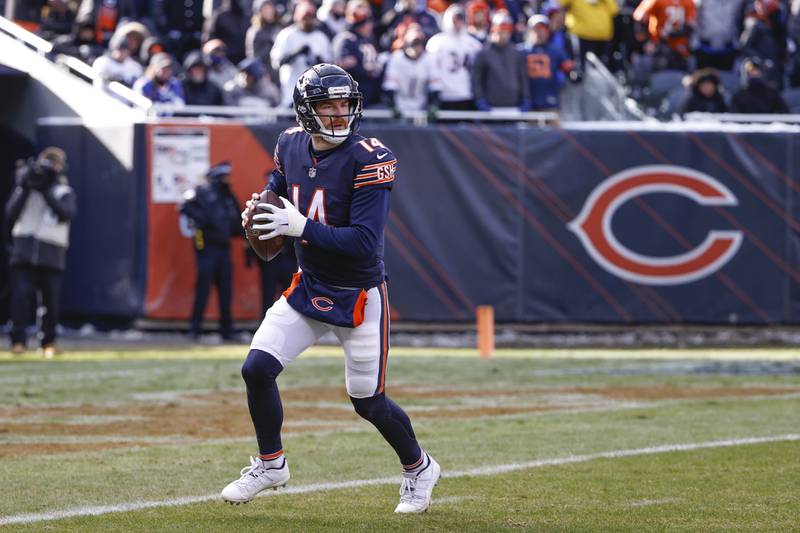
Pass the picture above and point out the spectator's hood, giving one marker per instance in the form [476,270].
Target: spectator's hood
[447,18]
[123,30]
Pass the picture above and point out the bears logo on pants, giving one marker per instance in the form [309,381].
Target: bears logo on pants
[593,226]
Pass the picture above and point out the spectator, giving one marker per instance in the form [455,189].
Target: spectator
[558,33]
[297,47]
[158,84]
[106,14]
[117,65]
[261,35]
[764,37]
[214,212]
[58,17]
[197,88]
[478,19]
[150,47]
[591,22]
[221,70]
[546,65]
[397,20]
[332,16]
[453,52]
[81,44]
[719,25]
[134,34]
[705,95]
[354,51]
[498,77]
[180,23]
[250,88]
[229,23]
[756,95]
[669,24]
[411,82]
[39,213]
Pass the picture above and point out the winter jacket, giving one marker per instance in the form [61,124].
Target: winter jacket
[758,98]
[697,102]
[215,213]
[40,221]
[498,76]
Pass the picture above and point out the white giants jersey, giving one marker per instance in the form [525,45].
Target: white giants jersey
[453,54]
[288,41]
[411,80]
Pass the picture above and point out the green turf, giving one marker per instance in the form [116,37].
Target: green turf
[753,487]
[746,488]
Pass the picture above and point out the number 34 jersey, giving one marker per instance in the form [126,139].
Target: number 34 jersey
[344,193]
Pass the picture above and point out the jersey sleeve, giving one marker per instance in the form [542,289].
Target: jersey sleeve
[277,179]
[377,166]
[369,205]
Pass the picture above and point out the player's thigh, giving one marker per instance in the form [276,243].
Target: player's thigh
[366,347]
[285,333]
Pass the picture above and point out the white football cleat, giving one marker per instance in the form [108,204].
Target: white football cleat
[416,489]
[255,478]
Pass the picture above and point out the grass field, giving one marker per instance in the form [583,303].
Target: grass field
[540,440]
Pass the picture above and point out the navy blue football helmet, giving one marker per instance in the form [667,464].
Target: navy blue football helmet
[326,82]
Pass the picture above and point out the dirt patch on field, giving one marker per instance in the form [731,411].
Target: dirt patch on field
[198,417]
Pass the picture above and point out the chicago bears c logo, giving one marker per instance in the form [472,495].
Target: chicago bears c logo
[322,303]
[593,226]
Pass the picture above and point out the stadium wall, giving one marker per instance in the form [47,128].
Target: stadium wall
[599,225]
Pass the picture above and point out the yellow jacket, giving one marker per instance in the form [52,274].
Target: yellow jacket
[591,19]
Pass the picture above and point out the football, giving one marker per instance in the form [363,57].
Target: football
[266,250]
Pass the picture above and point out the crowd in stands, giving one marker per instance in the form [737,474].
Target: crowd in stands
[689,55]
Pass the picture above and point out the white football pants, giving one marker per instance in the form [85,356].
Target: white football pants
[285,334]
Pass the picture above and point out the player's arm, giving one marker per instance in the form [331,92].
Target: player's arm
[369,211]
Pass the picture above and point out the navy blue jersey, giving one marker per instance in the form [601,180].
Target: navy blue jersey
[545,66]
[344,192]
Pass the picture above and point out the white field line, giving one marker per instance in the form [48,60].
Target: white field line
[358,483]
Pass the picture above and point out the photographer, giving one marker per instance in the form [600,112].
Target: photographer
[39,213]
[215,213]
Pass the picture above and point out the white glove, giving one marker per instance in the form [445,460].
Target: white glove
[287,221]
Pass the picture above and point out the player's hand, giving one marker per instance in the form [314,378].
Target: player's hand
[250,208]
[276,221]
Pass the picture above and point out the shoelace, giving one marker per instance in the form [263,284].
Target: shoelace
[408,489]
[249,469]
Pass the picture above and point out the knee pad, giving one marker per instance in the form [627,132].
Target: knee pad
[372,408]
[260,369]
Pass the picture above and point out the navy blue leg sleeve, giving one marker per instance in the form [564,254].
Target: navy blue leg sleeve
[393,424]
[259,372]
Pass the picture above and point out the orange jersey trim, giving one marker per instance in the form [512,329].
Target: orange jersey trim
[295,281]
[358,312]
[374,182]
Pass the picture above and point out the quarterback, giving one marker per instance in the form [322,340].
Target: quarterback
[334,185]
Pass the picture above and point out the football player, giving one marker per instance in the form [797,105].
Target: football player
[338,184]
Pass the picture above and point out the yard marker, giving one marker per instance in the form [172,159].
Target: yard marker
[358,483]
[485,316]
